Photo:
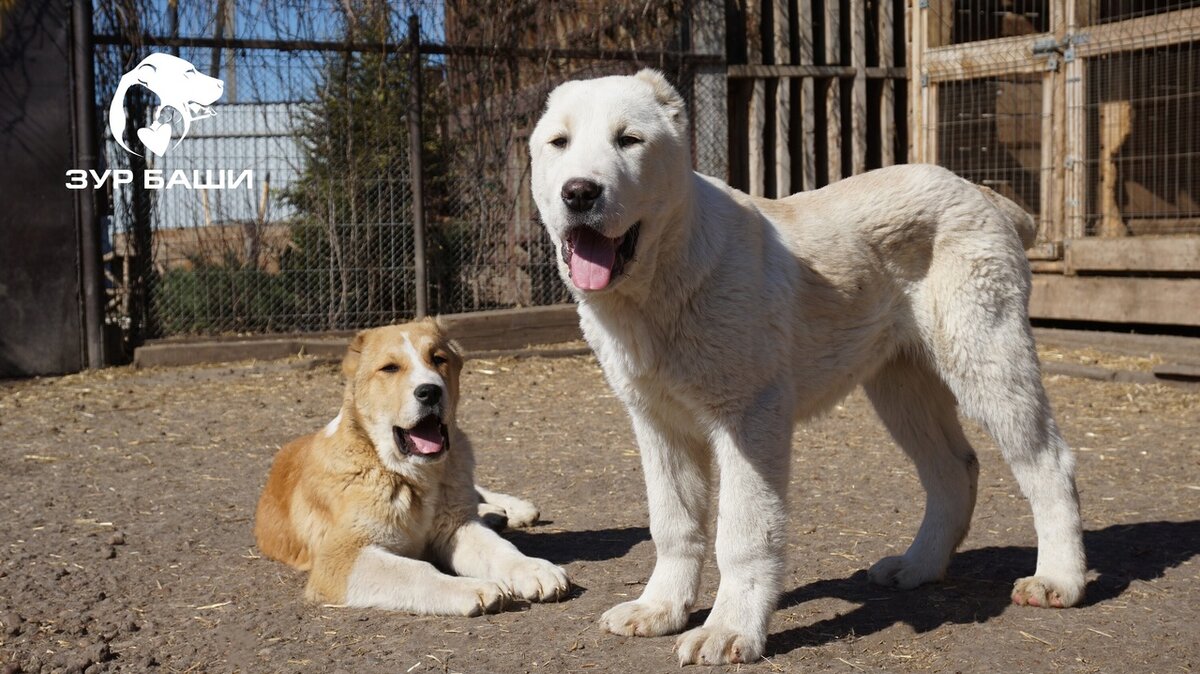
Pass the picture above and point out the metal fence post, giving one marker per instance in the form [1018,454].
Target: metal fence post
[90,253]
[416,167]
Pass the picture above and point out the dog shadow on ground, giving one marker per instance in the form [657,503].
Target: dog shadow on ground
[564,547]
[978,584]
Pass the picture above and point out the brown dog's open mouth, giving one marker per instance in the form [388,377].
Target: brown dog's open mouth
[594,259]
[428,438]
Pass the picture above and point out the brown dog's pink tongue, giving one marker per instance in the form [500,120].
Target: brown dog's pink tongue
[427,436]
[592,258]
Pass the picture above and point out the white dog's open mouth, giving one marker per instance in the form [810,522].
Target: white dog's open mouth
[197,111]
[594,259]
[428,438]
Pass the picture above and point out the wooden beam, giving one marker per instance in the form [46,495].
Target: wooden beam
[1156,30]
[1115,299]
[808,141]
[858,90]
[758,100]
[833,91]
[1010,55]
[1135,254]
[782,47]
[887,94]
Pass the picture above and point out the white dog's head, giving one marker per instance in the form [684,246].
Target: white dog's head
[611,157]
[177,84]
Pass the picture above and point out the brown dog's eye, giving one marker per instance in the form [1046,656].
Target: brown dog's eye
[439,360]
[390,369]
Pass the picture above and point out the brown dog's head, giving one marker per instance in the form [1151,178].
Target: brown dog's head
[402,389]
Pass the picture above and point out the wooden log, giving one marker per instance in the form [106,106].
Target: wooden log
[1116,123]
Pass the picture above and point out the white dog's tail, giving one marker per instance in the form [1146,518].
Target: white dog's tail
[1016,216]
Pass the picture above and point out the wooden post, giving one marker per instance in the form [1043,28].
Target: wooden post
[783,101]
[833,91]
[858,91]
[916,74]
[808,151]
[887,94]
[758,99]
[1046,161]
[1076,133]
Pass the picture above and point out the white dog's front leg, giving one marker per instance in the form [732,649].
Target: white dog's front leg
[381,579]
[753,457]
[677,471]
[477,551]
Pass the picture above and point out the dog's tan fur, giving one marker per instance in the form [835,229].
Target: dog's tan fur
[365,519]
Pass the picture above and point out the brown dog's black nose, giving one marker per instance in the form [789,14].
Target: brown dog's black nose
[428,394]
[580,194]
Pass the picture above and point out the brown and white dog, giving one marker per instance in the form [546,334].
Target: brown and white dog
[367,503]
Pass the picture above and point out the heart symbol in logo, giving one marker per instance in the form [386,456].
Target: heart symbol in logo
[155,138]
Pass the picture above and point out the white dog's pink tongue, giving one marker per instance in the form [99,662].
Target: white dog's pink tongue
[427,436]
[592,258]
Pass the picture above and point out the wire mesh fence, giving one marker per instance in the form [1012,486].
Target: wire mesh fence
[318,105]
[1084,112]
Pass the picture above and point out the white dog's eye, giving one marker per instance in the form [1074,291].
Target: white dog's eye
[625,140]
[559,142]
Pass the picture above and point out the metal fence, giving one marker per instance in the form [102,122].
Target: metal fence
[321,102]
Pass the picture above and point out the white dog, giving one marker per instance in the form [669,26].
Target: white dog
[184,95]
[720,319]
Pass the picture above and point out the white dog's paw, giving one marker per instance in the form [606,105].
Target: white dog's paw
[1046,592]
[644,618]
[520,513]
[533,579]
[476,597]
[717,646]
[903,573]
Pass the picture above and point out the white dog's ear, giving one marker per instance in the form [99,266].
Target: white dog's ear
[666,95]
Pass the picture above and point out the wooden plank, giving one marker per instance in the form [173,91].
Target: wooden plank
[1110,299]
[1136,254]
[808,140]
[939,21]
[749,71]
[1010,55]
[858,90]
[782,47]
[1075,156]
[833,91]
[887,94]
[1046,167]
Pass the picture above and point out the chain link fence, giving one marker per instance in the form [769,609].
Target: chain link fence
[318,103]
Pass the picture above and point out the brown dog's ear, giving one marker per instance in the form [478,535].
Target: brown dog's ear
[667,96]
[350,362]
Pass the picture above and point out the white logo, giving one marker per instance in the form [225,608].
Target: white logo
[184,96]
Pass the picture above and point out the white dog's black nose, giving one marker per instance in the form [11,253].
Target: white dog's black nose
[580,194]
[428,394]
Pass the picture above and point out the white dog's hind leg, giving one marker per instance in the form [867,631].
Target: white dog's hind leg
[919,411]
[754,460]
[986,355]
[677,472]
[519,512]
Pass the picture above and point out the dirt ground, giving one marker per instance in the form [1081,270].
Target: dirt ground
[128,497]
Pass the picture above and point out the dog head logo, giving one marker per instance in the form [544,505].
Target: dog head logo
[184,96]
